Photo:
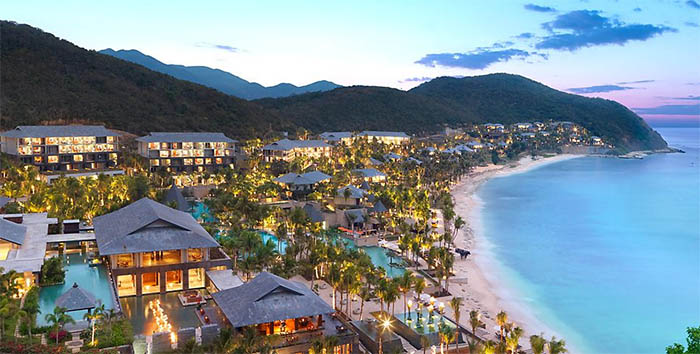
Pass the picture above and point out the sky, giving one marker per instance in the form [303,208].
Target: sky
[643,54]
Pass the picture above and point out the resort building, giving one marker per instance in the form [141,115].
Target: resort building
[155,249]
[523,127]
[389,138]
[62,148]
[596,141]
[337,137]
[287,150]
[302,183]
[371,175]
[287,309]
[494,127]
[350,196]
[187,152]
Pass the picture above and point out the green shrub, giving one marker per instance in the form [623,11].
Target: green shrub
[52,271]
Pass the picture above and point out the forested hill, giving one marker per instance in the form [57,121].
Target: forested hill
[46,80]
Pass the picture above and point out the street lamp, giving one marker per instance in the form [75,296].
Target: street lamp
[383,326]
[409,305]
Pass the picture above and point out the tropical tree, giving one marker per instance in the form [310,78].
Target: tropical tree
[556,346]
[513,339]
[97,313]
[489,347]
[447,335]
[537,343]
[456,305]
[405,282]
[474,320]
[57,319]
[693,343]
[501,320]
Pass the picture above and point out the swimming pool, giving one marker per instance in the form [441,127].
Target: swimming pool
[200,211]
[380,258]
[281,247]
[136,309]
[92,279]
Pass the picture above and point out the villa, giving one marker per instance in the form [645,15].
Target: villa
[288,309]
[187,152]
[287,150]
[156,249]
[383,137]
[523,126]
[337,137]
[63,148]
[371,175]
[302,183]
[494,127]
[350,196]
[596,141]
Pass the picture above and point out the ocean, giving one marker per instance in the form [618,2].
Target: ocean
[604,251]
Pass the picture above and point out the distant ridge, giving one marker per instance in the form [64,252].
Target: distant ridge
[218,79]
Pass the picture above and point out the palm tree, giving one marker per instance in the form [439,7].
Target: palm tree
[405,282]
[456,305]
[537,343]
[419,286]
[489,347]
[474,320]
[557,346]
[6,310]
[501,320]
[96,314]
[57,319]
[513,339]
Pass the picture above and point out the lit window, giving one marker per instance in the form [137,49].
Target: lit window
[155,162]
[153,146]
[78,158]
[37,159]
[36,141]
[187,162]
[53,159]
[219,161]
[164,153]
[110,139]
[198,161]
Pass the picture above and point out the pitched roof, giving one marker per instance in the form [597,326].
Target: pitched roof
[224,279]
[369,172]
[354,192]
[268,298]
[146,226]
[365,186]
[12,232]
[286,144]
[4,201]
[392,156]
[174,194]
[335,136]
[378,207]
[375,162]
[313,213]
[355,215]
[76,299]
[40,131]
[175,137]
[312,177]
[383,133]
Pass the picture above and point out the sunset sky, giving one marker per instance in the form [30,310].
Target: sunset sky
[645,55]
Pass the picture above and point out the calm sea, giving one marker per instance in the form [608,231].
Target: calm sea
[605,251]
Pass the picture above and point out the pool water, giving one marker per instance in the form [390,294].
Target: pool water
[136,309]
[380,258]
[92,279]
[281,247]
[200,211]
[425,327]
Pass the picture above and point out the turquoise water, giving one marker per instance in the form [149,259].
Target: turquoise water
[201,211]
[605,251]
[380,258]
[92,279]
[281,247]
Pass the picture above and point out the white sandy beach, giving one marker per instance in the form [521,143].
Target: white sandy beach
[483,290]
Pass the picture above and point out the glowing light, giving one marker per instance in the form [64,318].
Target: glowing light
[162,322]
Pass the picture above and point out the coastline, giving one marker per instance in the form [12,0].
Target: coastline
[484,290]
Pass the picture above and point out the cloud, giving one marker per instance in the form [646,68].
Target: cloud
[526,35]
[637,9]
[635,82]
[223,47]
[586,28]
[693,83]
[477,59]
[416,79]
[690,98]
[671,110]
[691,24]
[599,88]
[693,4]
[537,8]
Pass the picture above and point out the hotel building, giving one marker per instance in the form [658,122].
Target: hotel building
[389,138]
[63,148]
[156,249]
[187,152]
[287,150]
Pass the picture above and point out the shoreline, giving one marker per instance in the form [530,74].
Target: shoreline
[484,290]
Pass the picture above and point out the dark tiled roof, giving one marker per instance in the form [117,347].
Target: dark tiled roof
[286,144]
[4,201]
[312,177]
[369,172]
[382,133]
[268,298]
[146,226]
[355,215]
[335,136]
[76,299]
[378,207]
[354,192]
[174,194]
[40,131]
[175,137]
[313,213]
[12,232]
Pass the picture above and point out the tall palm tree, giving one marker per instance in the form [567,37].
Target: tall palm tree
[447,335]
[405,282]
[419,286]
[537,343]
[557,346]
[97,313]
[474,320]
[489,347]
[513,339]
[456,305]
[57,319]
[501,320]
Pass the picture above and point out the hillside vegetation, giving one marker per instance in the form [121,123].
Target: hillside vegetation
[47,80]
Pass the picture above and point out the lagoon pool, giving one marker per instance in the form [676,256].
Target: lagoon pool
[380,258]
[200,211]
[93,279]
[280,246]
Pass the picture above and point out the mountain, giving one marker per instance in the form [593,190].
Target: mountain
[502,98]
[219,79]
[46,80]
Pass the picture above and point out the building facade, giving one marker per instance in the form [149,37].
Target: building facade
[152,249]
[187,152]
[288,150]
[63,148]
[389,138]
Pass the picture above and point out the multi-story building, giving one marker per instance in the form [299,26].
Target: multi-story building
[63,148]
[287,150]
[337,137]
[187,152]
[389,138]
[153,248]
